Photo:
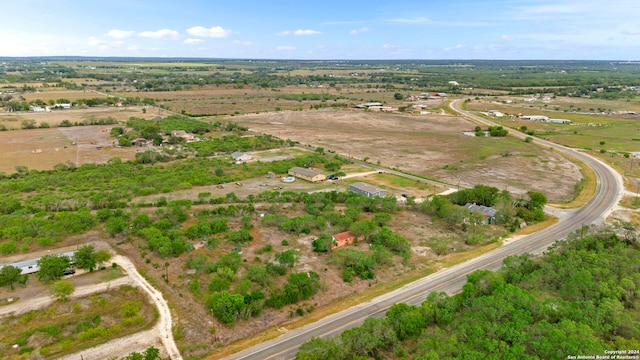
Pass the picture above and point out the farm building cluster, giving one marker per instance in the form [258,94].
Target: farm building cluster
[540,118]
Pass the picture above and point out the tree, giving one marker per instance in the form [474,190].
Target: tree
[288,257]
[537,200]
[322,243]
[52,267]
[84,258]
[382,218]
[28,124]
[363,228]
[10,275]
[398,96]
[225,306]
[102,256]
[62,289]
[150,354]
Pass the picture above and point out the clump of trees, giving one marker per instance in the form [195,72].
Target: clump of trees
[510,212]
[89,259]
[52,267]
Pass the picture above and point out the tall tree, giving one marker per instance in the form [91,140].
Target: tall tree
[10,275]
[363,228]
[52,267]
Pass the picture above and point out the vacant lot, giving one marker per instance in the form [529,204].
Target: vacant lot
[13,121]
[430,145]
[41,149]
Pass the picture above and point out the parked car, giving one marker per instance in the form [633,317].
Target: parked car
[332,177]
[68,272]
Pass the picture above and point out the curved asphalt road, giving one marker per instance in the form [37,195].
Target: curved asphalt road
[608,192]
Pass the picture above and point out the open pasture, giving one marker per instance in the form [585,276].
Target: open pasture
[235,100]
[587,130]
[432,146]
[47,93]
[13,121]
[42,149]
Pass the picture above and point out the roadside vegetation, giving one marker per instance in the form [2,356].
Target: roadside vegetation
[533,308]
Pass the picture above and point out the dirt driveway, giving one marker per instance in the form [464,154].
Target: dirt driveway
[160,336]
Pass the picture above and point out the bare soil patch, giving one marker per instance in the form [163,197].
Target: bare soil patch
[13,120]
[41,149]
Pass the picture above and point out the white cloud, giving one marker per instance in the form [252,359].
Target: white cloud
[359,31]
[102,44]
[299,32]
[457,47]
[212,32]
[93,41]
[243,43]
[306,32]
[193,41]
[416,20]
[120,34]
[285,48]
[138,49]
[159,34]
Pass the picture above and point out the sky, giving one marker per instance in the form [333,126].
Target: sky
[324,30]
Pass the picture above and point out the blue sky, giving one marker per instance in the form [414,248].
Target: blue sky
[329,29]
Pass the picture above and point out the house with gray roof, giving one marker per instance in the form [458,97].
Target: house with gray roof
[367,190]
[487,212]
[239,156]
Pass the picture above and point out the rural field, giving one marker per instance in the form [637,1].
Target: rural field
[432,146]
[41,149]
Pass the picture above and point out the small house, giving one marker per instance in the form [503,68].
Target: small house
[496,113]
[239,156]
[182,134]
[536,118]
[488,213]
[36,108]
[367,190]
[560,121]
[307,174]
[368,105]
[342,239]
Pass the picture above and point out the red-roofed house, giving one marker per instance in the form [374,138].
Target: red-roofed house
[342,239]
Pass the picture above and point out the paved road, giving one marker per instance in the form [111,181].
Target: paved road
[608,192]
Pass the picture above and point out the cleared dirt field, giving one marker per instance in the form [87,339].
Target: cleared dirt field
[429,145]
[13,121]
[41,149]
[227,100]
